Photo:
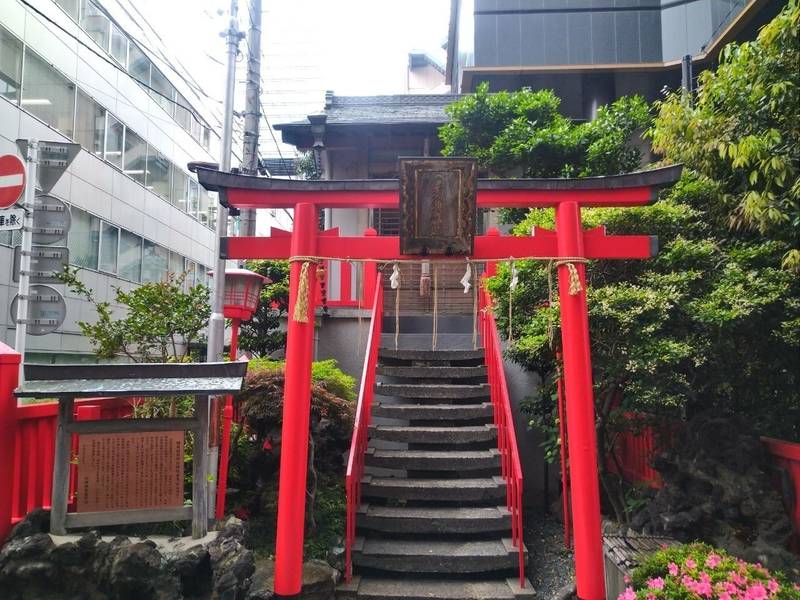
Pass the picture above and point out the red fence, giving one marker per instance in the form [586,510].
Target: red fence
[504,421]
[358,445]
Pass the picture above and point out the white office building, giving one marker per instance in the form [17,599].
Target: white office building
[70,70]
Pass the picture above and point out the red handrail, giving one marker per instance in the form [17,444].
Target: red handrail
[503,420]
[358,445]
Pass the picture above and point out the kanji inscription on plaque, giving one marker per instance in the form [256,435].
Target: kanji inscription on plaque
[437,205]
[125,471]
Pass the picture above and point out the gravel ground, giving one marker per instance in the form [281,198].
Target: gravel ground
[550,566]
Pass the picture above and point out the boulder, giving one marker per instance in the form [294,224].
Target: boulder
[717,489]
[319,581]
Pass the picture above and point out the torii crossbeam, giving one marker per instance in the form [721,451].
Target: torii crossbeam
[568,241]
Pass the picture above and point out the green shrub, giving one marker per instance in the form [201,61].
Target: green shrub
[324,373]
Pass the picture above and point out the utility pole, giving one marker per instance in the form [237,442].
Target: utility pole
[216,323]
[31,161]
[252,111]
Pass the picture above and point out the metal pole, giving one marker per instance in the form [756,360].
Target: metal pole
[32,160]
[216,323]
[252,110]
[581,435]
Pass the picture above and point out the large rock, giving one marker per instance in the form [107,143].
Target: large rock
[717,490]
[37,566]
[232,564]
[319,581]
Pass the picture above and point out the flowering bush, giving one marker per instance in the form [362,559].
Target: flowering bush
[698,571]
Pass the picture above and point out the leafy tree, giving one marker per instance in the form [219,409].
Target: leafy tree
[523,134]
[161,320]
[711,323]
[743,131]
[261,335]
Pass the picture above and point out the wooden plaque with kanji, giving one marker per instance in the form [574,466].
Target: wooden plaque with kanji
[437,205]
[126,471]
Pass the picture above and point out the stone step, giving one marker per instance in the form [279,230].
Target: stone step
[434,520]
[430,355]
[428,556]
[433,412]
[376,588]
[428,390]
[434,435]
[432,372]
[433,460]
[477,490]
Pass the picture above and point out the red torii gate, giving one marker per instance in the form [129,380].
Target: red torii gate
[569,241]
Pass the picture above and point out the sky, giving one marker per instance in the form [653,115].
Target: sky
[350,46]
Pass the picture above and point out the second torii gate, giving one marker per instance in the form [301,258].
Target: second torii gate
[568,241]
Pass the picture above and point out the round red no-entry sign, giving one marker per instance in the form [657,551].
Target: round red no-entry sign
[12,179]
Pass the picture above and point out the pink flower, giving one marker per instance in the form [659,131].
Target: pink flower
[626,579]
[651,597]
[725,596]
[673,569]
[756,592]
[628,594]
[713,560]
[657,583]
[737,579]
[690,563]
[773,586]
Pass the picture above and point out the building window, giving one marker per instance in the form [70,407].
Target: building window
[90,124]
[115,137]
[109,247]
[119,45]
[162,90]
[130,256]
[48,94]
[70,7]
[182,114]
[203,209]
[135,164]
[154,262]
[95,23]
[138,64]
[194,198]
[83,239]
[175,264]
[180,187]
[157,173]
[10,66]
[190,268]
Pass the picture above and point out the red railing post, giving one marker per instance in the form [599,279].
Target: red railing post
[491,266]
[370,273]
[296,411]
[589,570]
[9,377]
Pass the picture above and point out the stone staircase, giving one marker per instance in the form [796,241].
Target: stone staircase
[433,522]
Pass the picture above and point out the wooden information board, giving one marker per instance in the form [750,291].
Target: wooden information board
[126,471]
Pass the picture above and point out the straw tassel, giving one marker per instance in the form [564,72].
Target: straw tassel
[301,304]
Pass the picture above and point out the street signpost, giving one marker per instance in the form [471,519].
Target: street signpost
[51,220]
[43,310]
[12,180]
[46,309]
[46,263]
[11,219]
